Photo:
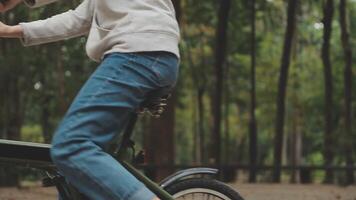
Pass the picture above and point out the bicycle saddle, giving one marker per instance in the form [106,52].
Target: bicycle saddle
[154,105]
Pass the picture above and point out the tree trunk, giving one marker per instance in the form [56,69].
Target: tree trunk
[14,114]
[201,144]
[60,79]
[220,57]
[226,151]
[195,149]
[282,85]
[328,137]
[200,81]
[162,141]
[253,123]
[46,125]
[12,108]
[345,39]
[296,141]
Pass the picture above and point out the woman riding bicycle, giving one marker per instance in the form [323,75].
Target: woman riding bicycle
[136,44]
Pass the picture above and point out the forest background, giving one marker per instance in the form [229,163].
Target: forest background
[266,90]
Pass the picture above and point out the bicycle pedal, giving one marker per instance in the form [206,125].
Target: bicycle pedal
[51,181]
[48,182]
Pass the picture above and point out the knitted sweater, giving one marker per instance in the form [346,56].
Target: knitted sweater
[111,26]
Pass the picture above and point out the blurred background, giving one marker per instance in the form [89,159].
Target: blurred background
[266,91]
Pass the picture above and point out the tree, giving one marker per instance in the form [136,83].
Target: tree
[345,39]
[328,10]
[14,85]
[282,85]
[253,123]
[220,58]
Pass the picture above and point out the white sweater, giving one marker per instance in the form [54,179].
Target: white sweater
[111,25]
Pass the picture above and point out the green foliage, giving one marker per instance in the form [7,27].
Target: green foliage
[32,134]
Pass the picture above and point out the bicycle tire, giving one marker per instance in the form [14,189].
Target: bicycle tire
[203,186]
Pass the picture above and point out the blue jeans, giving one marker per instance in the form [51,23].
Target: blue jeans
[99,113]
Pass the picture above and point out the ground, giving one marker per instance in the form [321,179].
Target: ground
[249,191]
[295,192]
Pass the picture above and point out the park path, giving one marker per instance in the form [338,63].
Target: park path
[295,192]
[249,191]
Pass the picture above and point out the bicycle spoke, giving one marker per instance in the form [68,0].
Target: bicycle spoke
[200,196]
[203,189]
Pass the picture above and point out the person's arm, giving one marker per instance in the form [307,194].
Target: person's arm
[70,24]
[10,31]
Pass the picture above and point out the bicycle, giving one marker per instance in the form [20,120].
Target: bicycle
[183,184]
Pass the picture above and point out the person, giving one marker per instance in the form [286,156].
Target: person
[136,44]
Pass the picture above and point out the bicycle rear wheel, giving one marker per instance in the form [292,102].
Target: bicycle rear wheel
[202,189]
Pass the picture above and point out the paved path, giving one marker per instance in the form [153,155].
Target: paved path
[249,191]
[295,192]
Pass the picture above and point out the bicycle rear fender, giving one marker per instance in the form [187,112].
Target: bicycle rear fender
[185,173]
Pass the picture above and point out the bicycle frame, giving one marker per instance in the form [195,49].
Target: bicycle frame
[123,154]
[37,155]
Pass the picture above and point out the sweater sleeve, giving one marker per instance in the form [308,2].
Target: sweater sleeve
[66,25]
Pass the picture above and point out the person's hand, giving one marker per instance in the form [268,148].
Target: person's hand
[8,4]
[10,31]
[3,29]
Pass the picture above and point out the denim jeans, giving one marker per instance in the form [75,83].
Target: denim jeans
[99,113]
